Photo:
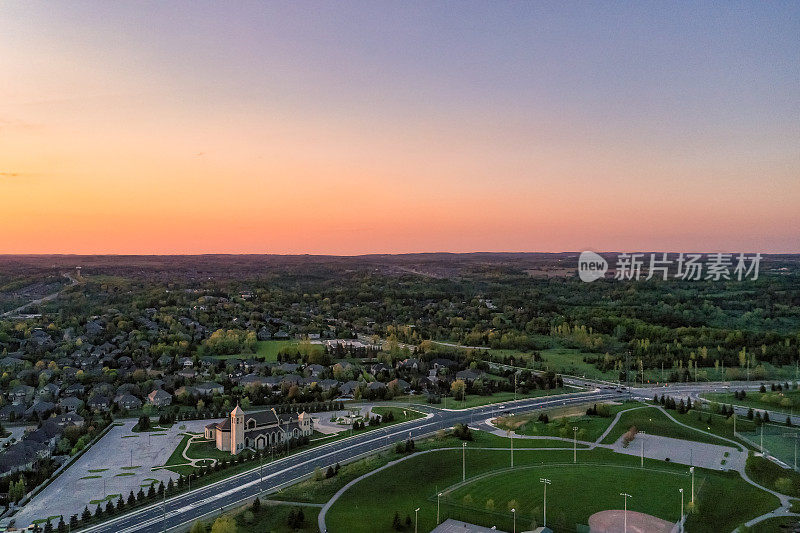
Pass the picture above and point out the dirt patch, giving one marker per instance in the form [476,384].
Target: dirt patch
[613,522]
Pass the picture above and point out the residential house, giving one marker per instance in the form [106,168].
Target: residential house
[159,398]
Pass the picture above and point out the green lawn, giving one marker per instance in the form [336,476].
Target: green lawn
[655,422]
[206,450]
[320,491]
[576,491]
[782,402]
[176,458]
[589,427]
[267,350]
[770,475]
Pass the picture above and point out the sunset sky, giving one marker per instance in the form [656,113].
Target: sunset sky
[365,127]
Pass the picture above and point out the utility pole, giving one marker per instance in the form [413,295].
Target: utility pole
[545,482]
[625,514]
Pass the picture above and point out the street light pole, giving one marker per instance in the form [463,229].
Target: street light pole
[514,512]
[416,519]
[545,482]
[681,522]
[437,507]
[574,444]
[625,513]
[692,471]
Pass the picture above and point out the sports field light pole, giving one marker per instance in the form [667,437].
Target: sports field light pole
[437,507]
[574,444]
[463,461]
[416,519]
[641,452]
[795,436]
[545,482]
[625,512]
[511,434]
[681,522]
[514,512]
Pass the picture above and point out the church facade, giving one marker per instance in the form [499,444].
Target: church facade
[257,430]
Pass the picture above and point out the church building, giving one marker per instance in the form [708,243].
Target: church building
[257,430]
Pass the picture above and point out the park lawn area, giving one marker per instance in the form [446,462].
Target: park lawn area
[767,474]
[759,400]
[590,427]
[715,423]
[267,350]
[593,484]
[655,422]
[320,491]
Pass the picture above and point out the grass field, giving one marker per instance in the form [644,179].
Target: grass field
[769,400]
[589,427]
[267,350]
[655,422]
[320,491]
[206,450]
[403,489]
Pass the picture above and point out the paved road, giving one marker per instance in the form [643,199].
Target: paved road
[186,508]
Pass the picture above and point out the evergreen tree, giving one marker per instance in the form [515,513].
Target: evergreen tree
[86,515]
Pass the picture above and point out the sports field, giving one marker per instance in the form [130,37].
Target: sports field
[577,491]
